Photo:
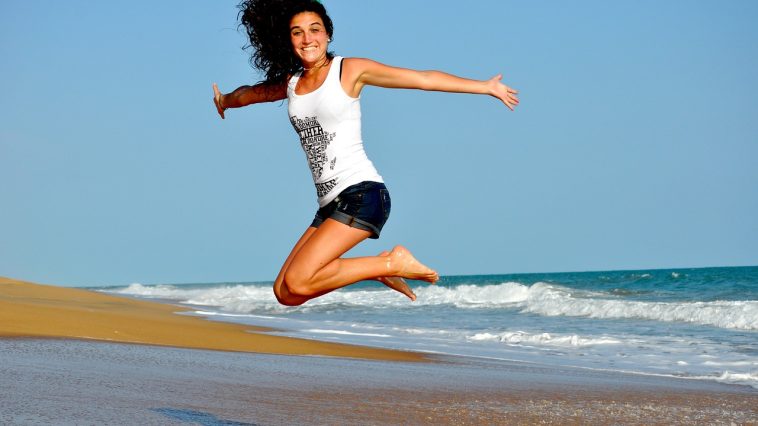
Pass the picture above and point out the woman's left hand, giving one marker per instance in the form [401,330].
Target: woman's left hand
[499,90]
[217,100]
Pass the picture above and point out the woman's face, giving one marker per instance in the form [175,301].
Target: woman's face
[309,38]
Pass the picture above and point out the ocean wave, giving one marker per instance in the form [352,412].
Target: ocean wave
[238,298]
[539,298]
[745,379]
[137,289]
[474,296]
[553,300]
[557,301]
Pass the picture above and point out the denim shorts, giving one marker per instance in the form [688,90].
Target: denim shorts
[365,205]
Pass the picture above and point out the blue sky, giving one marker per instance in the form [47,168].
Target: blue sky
[635,145]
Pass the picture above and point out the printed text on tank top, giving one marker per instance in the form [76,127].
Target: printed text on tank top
[328,123]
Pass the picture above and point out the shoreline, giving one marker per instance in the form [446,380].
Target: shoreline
[61,360]
[44,311]
[68,381]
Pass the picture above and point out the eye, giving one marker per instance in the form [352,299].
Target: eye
[297,33]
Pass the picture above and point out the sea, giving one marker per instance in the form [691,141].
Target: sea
[698,324]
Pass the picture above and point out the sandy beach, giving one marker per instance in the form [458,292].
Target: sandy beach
[68,356]
[34,310]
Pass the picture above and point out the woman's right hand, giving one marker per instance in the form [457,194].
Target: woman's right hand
[506,94]
[217,99]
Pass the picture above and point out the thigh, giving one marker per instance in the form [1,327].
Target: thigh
[330,241]
[295,250]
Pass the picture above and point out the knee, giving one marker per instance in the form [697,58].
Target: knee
[286,298]
[290,300]
[298,283]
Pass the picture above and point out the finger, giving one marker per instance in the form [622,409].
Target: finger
[217,100]
[220,110]
[512,103]
[216,95]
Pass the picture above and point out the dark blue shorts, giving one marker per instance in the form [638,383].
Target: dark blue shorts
[365,205]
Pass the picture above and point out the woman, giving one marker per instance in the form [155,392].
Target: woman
[290,40]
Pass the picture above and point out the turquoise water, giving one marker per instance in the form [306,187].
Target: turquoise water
[694,323]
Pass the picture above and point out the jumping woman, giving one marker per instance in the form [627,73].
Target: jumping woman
[290,44]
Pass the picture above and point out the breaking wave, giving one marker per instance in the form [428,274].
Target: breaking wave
[539,298]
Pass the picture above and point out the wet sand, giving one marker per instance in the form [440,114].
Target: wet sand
[60,364]
[48,381]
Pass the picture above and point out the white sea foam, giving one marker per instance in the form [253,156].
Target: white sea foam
[747,379]
[344,333]
[473,296]
[539,298]
[237,298]
[137,289]
[475,320]
[545,299]
[727,376]
[552,300]
[546,339]
[222,314]
[731,364]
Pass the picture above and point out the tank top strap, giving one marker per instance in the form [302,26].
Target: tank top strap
[292,83]
[335,71]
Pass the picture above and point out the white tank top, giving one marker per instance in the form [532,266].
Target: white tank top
[328,122]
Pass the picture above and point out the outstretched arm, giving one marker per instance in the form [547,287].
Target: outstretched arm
[361,72]
[247,95]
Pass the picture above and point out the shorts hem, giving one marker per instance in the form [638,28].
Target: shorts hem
[354,222]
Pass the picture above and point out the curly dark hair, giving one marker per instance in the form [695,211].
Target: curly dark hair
[267,23]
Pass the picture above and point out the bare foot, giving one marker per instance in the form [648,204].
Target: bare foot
[397,283]
[403,264]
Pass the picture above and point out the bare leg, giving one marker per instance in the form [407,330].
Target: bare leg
[280,290]
[396,283]
[315,267]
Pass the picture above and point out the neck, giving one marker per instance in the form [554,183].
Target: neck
[319,64]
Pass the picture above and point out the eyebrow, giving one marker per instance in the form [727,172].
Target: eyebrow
[311,24]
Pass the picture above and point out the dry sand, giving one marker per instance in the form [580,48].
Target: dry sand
[34,310]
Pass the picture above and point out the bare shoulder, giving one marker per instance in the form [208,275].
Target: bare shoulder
[360,72]
[358,63]
[355,67]
[365,65]
[353,70]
